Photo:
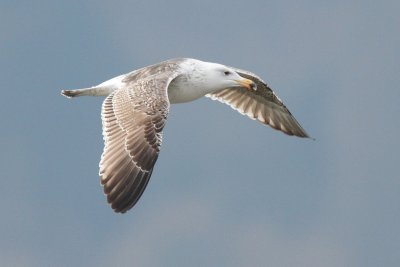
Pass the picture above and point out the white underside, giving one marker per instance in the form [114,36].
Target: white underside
[182,94]
[181,90]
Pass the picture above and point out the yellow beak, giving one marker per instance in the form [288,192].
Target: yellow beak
[246,83]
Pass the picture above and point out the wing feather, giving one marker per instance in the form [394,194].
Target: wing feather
[262,105]
[133,119]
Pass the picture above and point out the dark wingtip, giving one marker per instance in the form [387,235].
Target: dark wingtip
[306,135]
[68,93]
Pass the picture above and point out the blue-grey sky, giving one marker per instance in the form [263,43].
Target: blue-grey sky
[226,190]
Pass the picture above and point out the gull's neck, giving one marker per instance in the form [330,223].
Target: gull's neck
[191,84]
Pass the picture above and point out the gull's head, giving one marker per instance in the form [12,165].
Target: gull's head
[214,77]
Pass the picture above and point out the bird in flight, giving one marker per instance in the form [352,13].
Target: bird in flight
[137,105]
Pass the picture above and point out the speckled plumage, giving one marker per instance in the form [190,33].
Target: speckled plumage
[133,120]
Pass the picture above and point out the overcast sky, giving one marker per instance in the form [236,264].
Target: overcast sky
[226,190]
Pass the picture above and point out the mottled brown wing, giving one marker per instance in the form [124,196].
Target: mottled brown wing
[133,120]
[262,105]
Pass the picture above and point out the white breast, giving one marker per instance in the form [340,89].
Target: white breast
[181,90]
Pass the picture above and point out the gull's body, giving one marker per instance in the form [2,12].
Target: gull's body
[137,105]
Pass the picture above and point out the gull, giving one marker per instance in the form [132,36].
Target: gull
[136,108]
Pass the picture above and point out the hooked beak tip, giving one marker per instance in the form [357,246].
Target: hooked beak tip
[248,84]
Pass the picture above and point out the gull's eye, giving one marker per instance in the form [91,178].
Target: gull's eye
[227,72]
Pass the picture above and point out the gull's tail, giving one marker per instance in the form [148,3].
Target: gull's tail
[73,93]
[91,91]
[103,89]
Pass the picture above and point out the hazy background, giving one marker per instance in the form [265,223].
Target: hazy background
[226,191]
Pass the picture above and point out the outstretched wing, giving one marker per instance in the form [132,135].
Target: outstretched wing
[133,119]
[262,105]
